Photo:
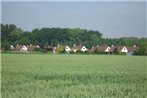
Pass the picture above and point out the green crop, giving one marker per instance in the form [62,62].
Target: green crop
[73,76]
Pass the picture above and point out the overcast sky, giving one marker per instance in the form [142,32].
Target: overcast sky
[112,19]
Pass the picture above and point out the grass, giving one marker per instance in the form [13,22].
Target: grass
[73,76]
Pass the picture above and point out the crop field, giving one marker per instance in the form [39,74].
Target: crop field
[73,76]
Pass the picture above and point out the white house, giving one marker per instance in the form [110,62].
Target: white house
[107,49]
[83,49]
[124,49]
[23,49]
[67,49]
[80,47]
[12,47]
[104,48]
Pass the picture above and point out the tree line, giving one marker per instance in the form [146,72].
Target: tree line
[12,35]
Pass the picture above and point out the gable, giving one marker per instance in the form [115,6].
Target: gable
[124,49]
[107,49]
[24,48]
[67,48]
[83,48]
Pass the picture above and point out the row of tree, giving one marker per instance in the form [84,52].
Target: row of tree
[12,35]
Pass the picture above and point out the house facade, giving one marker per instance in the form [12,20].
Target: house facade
[31,47]
[26,48]
[83,49]
[67,49]
[76,48]
[79,48]
[119,49]
[103,49]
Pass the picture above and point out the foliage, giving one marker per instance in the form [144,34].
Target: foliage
[143,47]
[5,46]
[11,34]
[60,49]
[73,76]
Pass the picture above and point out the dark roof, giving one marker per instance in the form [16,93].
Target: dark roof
[102,48]
[77,47]
[93,49]
[119,48]
[31,47]
[132,49]
[18,47]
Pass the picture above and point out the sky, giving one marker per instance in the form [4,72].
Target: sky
[113,19]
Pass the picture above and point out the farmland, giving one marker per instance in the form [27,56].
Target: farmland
[73,76]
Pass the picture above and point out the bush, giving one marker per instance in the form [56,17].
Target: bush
[5,46]
[44,50]
[37,49]
[122,53]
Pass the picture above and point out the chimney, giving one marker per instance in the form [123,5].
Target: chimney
[134,46]
[58,45]
[97,46]
[74,45]
[112,45]
[37,46]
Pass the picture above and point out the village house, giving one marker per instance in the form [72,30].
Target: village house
[25,48]
[131,50]
[50,48]
[92,49]
[79,48]
[20,48]
[12,47]
[31,47]
[104,49]
[67,49]
[75,48]
[119,49]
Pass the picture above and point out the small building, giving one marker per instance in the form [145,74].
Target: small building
[100,49]
[92,50]
[79,48]
[67,49]
[131,50]
[18,47]
[119,49]
[12,48]
[32,48]
[24,49]
[104,49]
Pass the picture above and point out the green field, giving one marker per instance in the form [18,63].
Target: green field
[73,76]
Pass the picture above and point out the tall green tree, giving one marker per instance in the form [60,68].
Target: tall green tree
[143,46]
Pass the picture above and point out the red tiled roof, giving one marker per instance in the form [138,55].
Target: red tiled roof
[132,49]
